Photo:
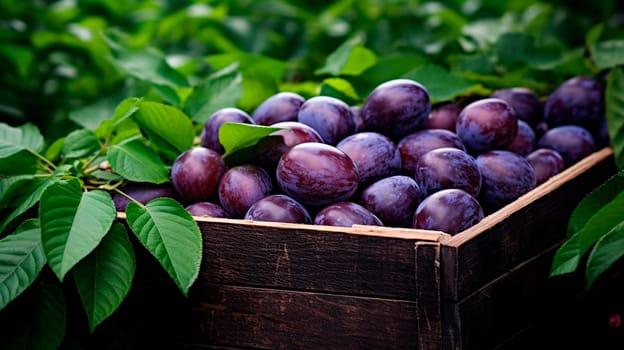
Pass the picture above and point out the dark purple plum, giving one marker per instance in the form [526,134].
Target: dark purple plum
[207,209]
[451,210]
[374,154]
[357,119]
[196,173]
[393,199]
[142,192]
[442,116]
[525,140]
[330,117]
[210,133]
[524,101]
[269,149]
[448,167]
[317,174]
[346,214]
[278,208]
[414,145]
[486,124]
[242,186]
[505,177]
[546,162]
[280,107]
[571,141]
[396,108]
[577,101]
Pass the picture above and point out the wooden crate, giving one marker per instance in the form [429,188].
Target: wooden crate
[291,286]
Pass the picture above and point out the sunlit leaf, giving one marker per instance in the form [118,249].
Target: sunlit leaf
[171,235]
[350,58]
[105,276]
[340,89]
[73,223]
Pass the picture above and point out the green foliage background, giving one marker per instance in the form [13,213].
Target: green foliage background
[59,57]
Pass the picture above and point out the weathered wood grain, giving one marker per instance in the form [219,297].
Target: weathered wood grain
[308,260]
[278,319]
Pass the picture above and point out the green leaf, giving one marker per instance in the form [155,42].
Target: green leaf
[31,194]
[441,84]
[387,68]
[222,89]
[80,143]
[73,223]
[105,276]
[340,89]
[37,320]
[136,162]
[14,140]
[568,256]
[171,235]
[13,186]
[614,101]
[124,110]
[21,260]
[168,126]
[350,58]
[149,65]
[608,53]
[249,64]
[238,139]
[91,116]
[594,201]
[256,88]
[608,250]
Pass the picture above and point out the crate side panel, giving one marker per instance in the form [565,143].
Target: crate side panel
[308,260]
[506,306]
[277,319]
[428,295]
[525,233]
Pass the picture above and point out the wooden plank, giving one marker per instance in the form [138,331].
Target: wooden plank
[428,295]
[233,316]
[308,260]
[524,228]
[506,306]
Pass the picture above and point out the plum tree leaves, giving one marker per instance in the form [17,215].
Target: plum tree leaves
[21,260]
[596,226]
[73,223]
[105,276]
[137,162]
[171,235]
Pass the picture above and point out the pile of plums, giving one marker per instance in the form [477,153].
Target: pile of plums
[396,160]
